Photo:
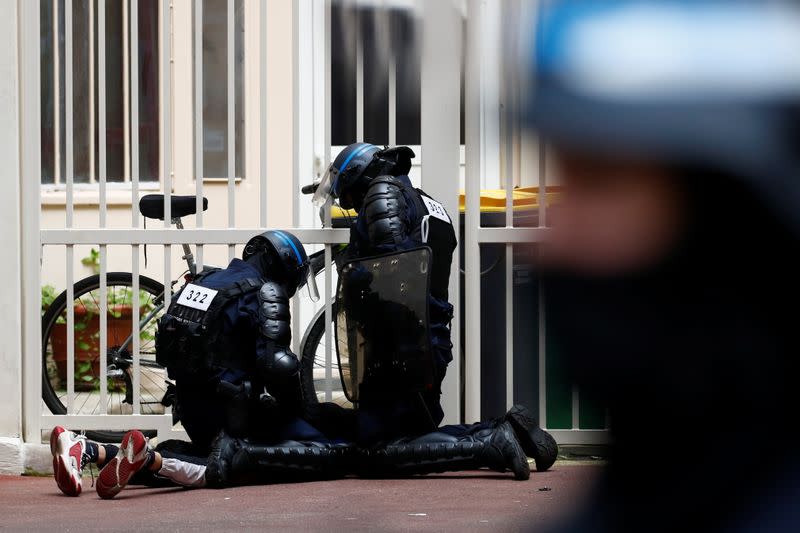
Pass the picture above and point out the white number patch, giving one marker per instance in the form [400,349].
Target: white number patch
[436,209]
[197,297]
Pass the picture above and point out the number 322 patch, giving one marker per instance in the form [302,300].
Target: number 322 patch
[197,297]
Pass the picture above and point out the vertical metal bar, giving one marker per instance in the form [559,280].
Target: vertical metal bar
[303,109]
[542,295]
[56,96]
[103,323]
[542,183]
[135,134]
[509,325]
[231,72]
[198,121]
[359,76]
[126,92]
[30,186]
[509,186]
[165,108]
[392,98]
[70,177]
[473,116]
[328,95]
[439,127]
[91,130]
[328,251]
[135,138]
[135,303]
[328,324]
[101,109]
[516,135]
[102,175]
[167,275]
[70,330]
[262,106]
[386,29]
[509,279]
[576,407]
[490,77]
[69,108]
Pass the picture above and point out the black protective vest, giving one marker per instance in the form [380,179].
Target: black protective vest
[441,239]
[191,342]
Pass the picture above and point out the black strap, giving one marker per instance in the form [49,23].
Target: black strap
[243,287]
[205,273]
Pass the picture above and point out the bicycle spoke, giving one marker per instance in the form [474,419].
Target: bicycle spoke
[91,293]
[110,314]
[149,378]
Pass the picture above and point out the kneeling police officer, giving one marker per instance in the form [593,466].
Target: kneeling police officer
[225,341]
[394,425]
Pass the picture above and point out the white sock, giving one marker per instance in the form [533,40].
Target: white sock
[183,473]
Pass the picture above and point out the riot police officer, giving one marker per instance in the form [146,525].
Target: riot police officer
[394,216]
[225,341]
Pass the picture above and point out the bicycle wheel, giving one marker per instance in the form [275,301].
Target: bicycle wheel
[119,358]
[312,366]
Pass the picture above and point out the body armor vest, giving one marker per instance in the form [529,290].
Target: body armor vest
[430,229]
[191,341]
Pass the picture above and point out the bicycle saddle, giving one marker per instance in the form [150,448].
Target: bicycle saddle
[152,206]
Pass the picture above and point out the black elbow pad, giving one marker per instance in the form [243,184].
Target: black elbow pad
[285,363]
[273,313]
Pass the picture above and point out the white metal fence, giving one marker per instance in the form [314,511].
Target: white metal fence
[495,146]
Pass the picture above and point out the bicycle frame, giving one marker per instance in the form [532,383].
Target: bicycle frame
[188,256]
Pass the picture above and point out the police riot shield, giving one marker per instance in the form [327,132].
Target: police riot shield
[382,327]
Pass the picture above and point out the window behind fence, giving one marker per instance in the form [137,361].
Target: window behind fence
[85,105]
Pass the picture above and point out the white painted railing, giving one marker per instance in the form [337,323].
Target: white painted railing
[311,77]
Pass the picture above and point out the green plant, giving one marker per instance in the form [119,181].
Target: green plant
[92,261]
[84,372]
[48,296]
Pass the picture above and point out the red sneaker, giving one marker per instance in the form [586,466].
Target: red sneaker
[69,458]
[118,471]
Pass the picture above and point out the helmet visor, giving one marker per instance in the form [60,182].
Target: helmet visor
[325,190]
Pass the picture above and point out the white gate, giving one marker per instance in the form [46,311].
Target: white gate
[185,100]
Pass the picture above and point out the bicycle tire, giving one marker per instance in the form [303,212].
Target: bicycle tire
[309,355]
[49,318]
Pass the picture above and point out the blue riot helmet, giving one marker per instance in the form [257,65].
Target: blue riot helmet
[283,257]
[350,173]
[705,84]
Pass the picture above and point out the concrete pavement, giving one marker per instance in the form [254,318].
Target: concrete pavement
[469,501]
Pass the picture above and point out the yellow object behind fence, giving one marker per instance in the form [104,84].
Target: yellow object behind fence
[492,201]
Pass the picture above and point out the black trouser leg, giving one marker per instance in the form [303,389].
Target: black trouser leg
[239,462]
[495,448]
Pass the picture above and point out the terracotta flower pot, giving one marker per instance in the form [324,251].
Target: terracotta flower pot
[87,342]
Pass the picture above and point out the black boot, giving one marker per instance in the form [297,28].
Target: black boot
[536,442]
[238,462]
[495,448]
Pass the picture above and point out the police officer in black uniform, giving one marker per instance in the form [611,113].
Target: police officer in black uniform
[395,216]
[225,341]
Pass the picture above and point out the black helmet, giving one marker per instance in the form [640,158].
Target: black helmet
[282,251]
[681,82]
[356,165]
